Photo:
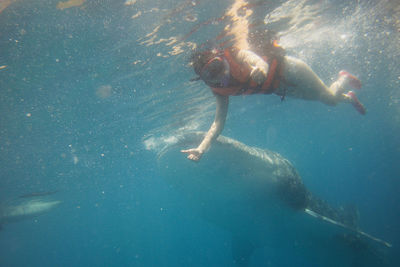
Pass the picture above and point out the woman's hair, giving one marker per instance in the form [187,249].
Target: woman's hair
[199,59]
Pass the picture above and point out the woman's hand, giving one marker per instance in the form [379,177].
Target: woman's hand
[193,154]
[215,129]
[259,74]
[259,68]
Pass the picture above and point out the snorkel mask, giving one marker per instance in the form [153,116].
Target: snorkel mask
[216,72]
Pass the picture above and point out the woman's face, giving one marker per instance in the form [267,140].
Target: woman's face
[215,70]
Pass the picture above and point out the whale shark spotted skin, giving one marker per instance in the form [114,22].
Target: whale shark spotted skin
[258,196]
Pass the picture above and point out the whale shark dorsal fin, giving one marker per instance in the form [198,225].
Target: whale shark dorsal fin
[324,218]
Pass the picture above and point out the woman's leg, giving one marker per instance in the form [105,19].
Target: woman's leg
[302,82]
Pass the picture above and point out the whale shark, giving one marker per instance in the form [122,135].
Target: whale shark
[259,197]
[25,208]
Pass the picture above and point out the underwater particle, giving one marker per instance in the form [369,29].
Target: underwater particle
[28,114]
[136,15]
[75,159]
[130,2]
[3,67]
[70,3]
[191,17]
[104,91]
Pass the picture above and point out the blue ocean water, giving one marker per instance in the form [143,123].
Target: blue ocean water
[83,87]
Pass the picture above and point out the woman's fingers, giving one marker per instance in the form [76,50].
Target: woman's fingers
[258,75]
[193,154]
[188,151]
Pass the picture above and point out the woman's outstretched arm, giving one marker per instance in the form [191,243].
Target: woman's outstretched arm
[214,131]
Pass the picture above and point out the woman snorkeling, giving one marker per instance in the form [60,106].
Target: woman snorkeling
[256,64]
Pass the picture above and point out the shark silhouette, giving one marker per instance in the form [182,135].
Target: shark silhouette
[25,208]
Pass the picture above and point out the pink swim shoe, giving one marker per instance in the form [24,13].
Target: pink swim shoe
[356,103]
[353,81]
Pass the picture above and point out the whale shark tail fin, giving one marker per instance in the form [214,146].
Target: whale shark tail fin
[345,226]
[363,253]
